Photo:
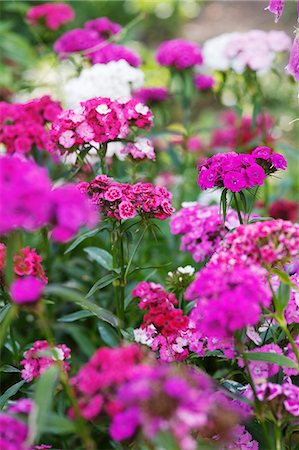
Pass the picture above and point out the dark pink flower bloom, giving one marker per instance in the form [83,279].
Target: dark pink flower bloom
[71,210]
[284,209]
[126,210]
[76,40]
[235,181]
[26,290]
[13,433]
[52,15]
[261,152]
[204,82]
[103,26]
[179,53]
[256,175]
[114,52]
[149,95]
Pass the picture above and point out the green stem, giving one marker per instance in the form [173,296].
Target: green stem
[277,434]
[238,208]
[83,431]
[284,327]
[118,260]
[11,314]
[266,196]
[252,204]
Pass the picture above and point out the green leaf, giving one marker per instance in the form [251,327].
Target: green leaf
[10,392]
[57,424]
[243,200]
[7,368]
[108,334]
[101,256]
[260,219]
[43,398]
[280,360]
[166,441]
[101,283]
[223,203]
[284,278]
[81,238]
[70,295]
[80,337]
[4,311]
[75,316]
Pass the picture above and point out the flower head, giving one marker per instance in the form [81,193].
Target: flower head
[179,53]
[53,15]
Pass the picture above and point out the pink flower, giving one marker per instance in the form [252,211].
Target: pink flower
[179,53]
[114,52]
[278,161]
[126,210]
[204,82]
[222,293]
[13,433]
[103,26]
[67,139]
[76,40]
[113,193]
[256,175]
[194,144]
[26,290]
[53,15]
[293,65]
[261,152]
[276,7]
[41,356]
[149,95]
[71,210]
[235,181]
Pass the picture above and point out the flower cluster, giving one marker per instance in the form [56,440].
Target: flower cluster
[99,120]
[202,228]
[223,294]
[92,41]
[239,171]
[41,356]
[255,49]
[239,134]
[24,126]
[267,243]
[164,326]
[13,433]
[52,15]
[242,440]
[179,53]
[31,203]
[142,395]
[101,375]
[285,396]
[204,82]
[125,201]
[276,7]
[116,80]
[142,148]
[151,95]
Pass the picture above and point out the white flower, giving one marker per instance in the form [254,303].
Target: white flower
[103,109]
[115,80]
[141,109]
[214,51]
[144,336]
[187,270]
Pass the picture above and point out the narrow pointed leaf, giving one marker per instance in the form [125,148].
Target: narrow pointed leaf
[100,256]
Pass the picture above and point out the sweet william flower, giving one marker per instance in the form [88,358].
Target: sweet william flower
[52,15]
[276,7]
[26,290]
[204,82]
[103,26]
[179,53]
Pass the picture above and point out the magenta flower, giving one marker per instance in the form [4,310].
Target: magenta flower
[293,65]
[126,210]
[70,211]
[114,52]
[76,40]
[26,290]
[13,433]
[235,181]
[204,82]
[103,26]
[179,53]
[239,171]
[52,15]
[150,95]
[276,7]
[25,190]
[222,293]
